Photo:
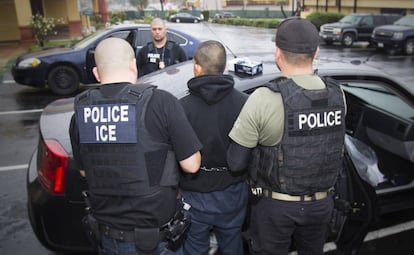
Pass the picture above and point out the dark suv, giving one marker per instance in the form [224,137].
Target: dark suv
[398,37]
[354,27]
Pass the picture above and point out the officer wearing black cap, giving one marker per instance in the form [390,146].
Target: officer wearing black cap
[291,134]
[127,140]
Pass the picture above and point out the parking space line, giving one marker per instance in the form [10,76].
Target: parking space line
[16,167]
[22,111]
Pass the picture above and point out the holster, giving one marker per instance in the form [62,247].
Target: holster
[176,229]
[91,228]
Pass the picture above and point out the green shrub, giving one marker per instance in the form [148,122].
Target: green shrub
[320,18]
[117,17]
[43,27]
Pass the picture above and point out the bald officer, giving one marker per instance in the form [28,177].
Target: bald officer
[127,140]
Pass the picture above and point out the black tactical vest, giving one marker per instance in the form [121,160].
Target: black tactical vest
[310,154]
[119,157]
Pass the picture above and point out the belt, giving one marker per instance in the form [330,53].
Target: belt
[287,197]
[122,235]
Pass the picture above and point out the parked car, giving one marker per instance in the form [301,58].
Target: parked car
[62,69]
[354,27]
[398,37]
[380,120]
[225,15]
[184,17]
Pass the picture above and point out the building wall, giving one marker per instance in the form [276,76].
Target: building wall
[348,6]
[15,18]
[9,30]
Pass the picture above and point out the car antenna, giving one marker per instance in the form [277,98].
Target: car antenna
[225,45]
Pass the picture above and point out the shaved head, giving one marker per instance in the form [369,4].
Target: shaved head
[211,56]
[113,58]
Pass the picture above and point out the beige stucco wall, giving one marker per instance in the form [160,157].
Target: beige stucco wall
[9,30]
[347,6]
[15,17]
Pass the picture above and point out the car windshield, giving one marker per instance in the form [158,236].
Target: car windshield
[87,40]
[405,21]
[351,19]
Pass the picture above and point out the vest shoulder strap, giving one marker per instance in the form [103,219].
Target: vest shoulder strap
[274,85]
[138,90]
[170,45]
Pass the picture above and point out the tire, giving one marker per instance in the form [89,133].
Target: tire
[177,20]
[195,21]
[63,80]
[348,39]
[409,47]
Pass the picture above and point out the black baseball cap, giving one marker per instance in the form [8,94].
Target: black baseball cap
[297,35]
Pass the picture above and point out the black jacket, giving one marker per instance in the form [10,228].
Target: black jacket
[212,108]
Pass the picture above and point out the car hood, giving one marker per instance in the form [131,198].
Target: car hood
[337,24]
[45,52]
[394,28]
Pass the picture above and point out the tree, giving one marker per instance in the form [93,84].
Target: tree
[281,4]
[140,4]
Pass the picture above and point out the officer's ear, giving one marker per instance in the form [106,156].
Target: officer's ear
[96,73]
[133,66]
[197,69]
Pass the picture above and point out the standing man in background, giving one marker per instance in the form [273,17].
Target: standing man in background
[127,141]
[159,53]
[217,197]
[293,162]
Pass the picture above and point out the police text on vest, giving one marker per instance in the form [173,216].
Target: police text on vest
[106,123]
[319,119]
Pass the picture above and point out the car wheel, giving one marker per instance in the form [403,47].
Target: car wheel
[177,20]
[195,21]
[63,80]
[409,47]
[348,39]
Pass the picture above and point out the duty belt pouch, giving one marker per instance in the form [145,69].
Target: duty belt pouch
[91,229]
[146,240]
[177,229]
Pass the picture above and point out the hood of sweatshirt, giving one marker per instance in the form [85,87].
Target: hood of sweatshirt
[211,88]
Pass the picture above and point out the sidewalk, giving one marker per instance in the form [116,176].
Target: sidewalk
[10,50]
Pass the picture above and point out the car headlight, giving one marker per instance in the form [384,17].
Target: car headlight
[397,35]
[336,31]
[29,62]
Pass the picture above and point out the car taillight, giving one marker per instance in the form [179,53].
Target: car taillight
[52,166]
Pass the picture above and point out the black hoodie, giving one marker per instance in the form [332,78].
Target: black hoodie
[212,108]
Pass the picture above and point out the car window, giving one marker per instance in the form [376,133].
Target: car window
[144,37]
[368,21]
[351,19]
[121,34]
[405,21]
[381,98]
[176,38]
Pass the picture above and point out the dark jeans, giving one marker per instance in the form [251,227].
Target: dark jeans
[275,223]
[222,212]
[115,247]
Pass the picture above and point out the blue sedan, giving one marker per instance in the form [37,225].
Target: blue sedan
[63,69]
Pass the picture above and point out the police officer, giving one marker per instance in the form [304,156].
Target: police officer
[293,129]
[160,52]
[123,138]
[217,196]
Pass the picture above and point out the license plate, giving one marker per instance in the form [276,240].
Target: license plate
[380,45]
